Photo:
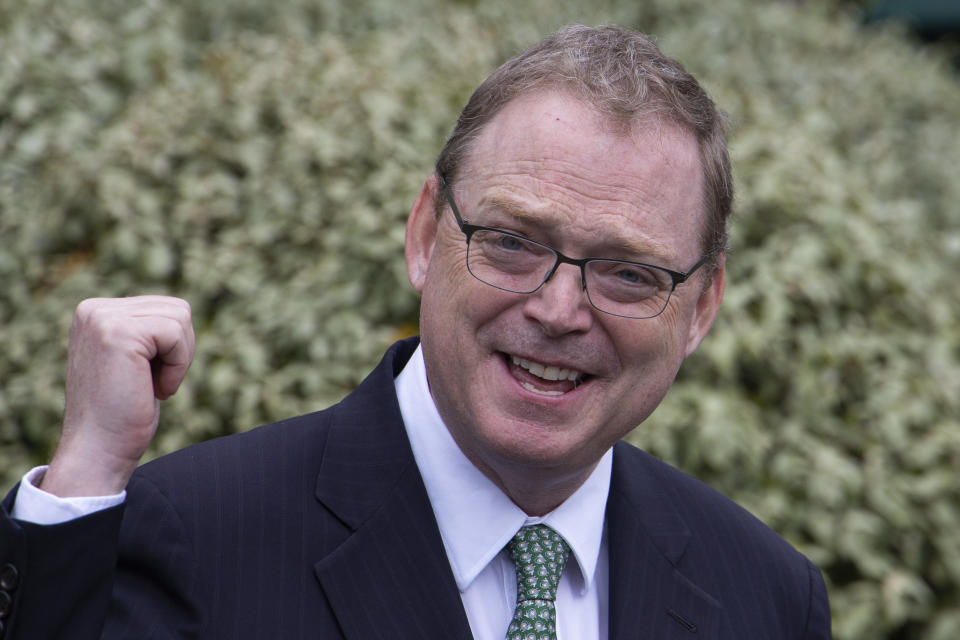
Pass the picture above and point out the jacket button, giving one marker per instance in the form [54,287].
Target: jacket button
[9,577]
[5,602]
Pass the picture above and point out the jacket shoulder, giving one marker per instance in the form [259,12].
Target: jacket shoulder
[760,579]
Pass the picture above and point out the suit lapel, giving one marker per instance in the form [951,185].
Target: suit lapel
[390,578]
[649,596]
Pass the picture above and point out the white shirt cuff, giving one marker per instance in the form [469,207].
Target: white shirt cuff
[39,507]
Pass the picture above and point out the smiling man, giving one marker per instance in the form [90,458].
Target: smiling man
[569,250]
[549,168]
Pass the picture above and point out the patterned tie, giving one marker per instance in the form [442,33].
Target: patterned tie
[540,555]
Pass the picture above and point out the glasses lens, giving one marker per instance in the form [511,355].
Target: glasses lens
[513,263]
[507,261]
[628,289]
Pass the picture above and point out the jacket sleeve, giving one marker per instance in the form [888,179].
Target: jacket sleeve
[155,591]
[124,572]
[818,616]
[56,581]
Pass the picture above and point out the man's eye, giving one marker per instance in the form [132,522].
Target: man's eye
[629,276]
[617,279]
[510,243]
[626,275]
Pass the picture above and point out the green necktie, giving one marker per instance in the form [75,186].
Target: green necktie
[540,554]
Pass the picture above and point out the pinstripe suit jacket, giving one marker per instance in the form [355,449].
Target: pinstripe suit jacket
[320,527]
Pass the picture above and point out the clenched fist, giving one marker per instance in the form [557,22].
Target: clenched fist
[125,355]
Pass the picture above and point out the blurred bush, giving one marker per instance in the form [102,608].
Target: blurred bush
[259,159]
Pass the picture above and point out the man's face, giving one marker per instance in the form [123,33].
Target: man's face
[548,168]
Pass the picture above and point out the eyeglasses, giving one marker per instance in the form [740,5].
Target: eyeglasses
[513,263]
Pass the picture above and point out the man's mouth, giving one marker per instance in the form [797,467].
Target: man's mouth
[544,379]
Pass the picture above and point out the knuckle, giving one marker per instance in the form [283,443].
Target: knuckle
[85,308]
[88,313]
[185,306]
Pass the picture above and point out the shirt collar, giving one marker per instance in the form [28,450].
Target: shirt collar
[476,519]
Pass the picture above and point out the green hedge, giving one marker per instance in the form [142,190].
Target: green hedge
[259,160]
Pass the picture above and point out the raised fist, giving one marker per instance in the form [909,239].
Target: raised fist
[125,355]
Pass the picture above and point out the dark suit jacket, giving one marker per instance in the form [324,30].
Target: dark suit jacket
[320,527]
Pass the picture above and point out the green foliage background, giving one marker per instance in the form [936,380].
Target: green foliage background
[259,160]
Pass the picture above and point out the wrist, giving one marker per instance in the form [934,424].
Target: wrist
[74,474]
[40,507]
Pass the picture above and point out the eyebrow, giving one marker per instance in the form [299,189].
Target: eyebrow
[641,246]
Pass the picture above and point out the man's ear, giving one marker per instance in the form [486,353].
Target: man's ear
[707,306]
[422,233]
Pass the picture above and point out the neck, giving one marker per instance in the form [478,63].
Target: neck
[536,491]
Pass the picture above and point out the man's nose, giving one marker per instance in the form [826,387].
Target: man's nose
[560,305]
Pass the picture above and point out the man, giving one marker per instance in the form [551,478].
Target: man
[569,251]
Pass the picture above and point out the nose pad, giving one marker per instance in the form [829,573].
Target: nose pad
[566,261]
[560,305]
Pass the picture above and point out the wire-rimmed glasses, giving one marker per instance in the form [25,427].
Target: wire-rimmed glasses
[511,262]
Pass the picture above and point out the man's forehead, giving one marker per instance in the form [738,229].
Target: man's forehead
[552,149]
[538,126]
[571,110]
[498,207]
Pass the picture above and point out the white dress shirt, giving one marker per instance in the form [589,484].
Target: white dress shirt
[477,520]
[475,517]
[39,507]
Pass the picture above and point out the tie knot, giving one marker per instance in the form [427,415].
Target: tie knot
[540,554]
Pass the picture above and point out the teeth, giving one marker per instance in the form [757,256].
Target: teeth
[530,387]
[545,372]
